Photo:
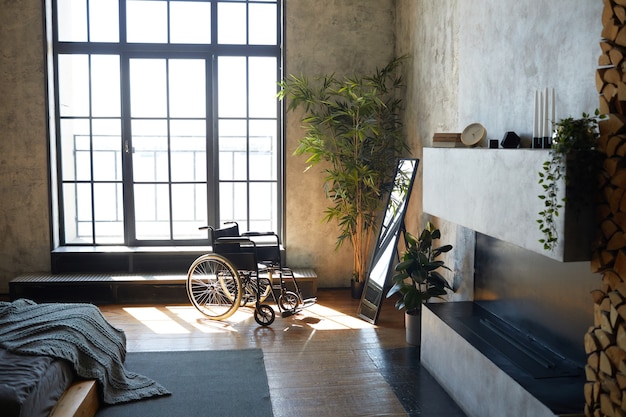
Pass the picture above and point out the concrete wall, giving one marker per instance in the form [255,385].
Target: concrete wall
[323,37]
[24,220]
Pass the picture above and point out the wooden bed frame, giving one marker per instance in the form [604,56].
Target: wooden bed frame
[79,400]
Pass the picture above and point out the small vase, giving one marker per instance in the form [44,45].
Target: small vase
[413,326]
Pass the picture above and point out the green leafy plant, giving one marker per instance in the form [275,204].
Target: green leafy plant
[417,278]
[352,124]
[574,158]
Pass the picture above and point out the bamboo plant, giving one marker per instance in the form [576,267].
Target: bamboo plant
[353,125]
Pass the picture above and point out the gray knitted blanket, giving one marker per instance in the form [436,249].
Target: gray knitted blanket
[80,334]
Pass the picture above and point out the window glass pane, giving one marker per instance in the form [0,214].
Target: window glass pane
[187,88]
[231,26]
[234,204]
[107,150]
[150,150]
[190,22]
[109,217]
[72,18]
[188,150]
[263,216]
[75,150]
[263,152]
[189,211]
[232,100]
[77,213]
[73,85]
[104,21]
[148,88]
[262,24]
[263,86]
[233,144]
[146,21]
[105,86]
[152,211]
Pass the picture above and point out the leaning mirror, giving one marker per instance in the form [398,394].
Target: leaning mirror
[386,247]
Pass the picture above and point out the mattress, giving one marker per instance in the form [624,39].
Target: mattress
[30,386]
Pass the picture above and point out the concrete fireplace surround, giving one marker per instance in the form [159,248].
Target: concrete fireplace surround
[494,192]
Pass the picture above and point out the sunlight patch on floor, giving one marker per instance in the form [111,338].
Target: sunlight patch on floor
[185,319]
[156,320]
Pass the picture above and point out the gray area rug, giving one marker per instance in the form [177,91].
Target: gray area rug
[203,383]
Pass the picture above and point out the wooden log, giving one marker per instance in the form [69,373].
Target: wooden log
[605,320]
[592,344]
[604,338]
[608,227]
[616,355]
[612,279]
[606,405]
[620,339]
[613,124]
[613,144]
[588,392]
[620,263]
[591,374]
[620,13]
[617,241]
[614,317]
[619,178]
[598,296]
[609,92]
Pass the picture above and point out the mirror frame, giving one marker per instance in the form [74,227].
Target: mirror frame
[386,249]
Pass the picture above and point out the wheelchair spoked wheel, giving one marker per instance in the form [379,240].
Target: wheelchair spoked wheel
[214,287]
[289,301]
[264,315]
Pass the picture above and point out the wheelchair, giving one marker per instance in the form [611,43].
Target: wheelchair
[243,270]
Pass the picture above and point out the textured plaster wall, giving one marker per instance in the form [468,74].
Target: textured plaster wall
[24,230]
[428,32]
[322,37]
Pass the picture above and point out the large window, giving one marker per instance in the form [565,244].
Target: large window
[164,118]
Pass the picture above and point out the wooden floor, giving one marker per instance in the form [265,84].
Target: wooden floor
[318,362]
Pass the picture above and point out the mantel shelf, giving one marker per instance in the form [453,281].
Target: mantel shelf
[495,192]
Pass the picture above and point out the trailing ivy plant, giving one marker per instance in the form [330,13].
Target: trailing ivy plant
[574,147]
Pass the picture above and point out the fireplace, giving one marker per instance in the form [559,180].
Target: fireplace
[519,340]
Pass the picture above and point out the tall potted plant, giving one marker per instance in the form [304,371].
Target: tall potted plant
[353,125]
[417,278]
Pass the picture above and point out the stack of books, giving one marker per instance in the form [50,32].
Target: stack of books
[446,140]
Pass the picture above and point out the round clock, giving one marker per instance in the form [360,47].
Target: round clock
[473,134]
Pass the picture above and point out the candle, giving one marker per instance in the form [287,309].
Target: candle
[536,121]
[553,107]
[540,116]
[546,127]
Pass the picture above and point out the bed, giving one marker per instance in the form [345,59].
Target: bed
[45,347]
[30,386]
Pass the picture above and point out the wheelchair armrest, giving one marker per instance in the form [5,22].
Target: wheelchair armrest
[234,239]
[258,234]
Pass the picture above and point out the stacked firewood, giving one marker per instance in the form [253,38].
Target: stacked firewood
[605,342]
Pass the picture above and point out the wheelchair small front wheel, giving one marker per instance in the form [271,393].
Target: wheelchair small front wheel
[264,314]
[289,301]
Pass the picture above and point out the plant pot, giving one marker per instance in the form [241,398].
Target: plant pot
[413,326]
[357,289]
